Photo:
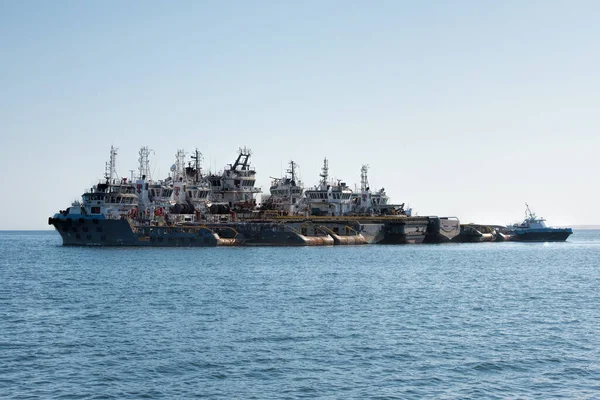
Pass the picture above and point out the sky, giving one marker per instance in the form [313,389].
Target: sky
[462,108]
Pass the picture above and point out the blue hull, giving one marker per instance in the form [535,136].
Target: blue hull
[539,235]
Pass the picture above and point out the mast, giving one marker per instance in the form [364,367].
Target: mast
[242,159]
[528,213]
[364,180]
[180,164]
[110,167]
[292,170]
[144,160]
[325,172]
[197,157]
[107,171]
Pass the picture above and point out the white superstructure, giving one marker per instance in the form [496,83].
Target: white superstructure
[235,187]
[286,192]
[366,201]
[329,198]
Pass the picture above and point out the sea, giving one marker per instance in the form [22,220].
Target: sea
[453,321]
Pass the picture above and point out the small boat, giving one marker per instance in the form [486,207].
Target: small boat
[534,229]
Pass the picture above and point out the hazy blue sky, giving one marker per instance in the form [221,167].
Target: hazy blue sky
[461,108]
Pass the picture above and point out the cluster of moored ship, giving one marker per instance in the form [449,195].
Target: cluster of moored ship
[189,208]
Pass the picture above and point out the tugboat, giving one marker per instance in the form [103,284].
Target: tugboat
[234,190]
[534,229]
[368,202]
[329,198]
[286,193]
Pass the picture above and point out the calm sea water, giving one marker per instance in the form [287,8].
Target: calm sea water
[497,320]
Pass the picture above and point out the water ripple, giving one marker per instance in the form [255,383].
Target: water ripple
[496,321]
